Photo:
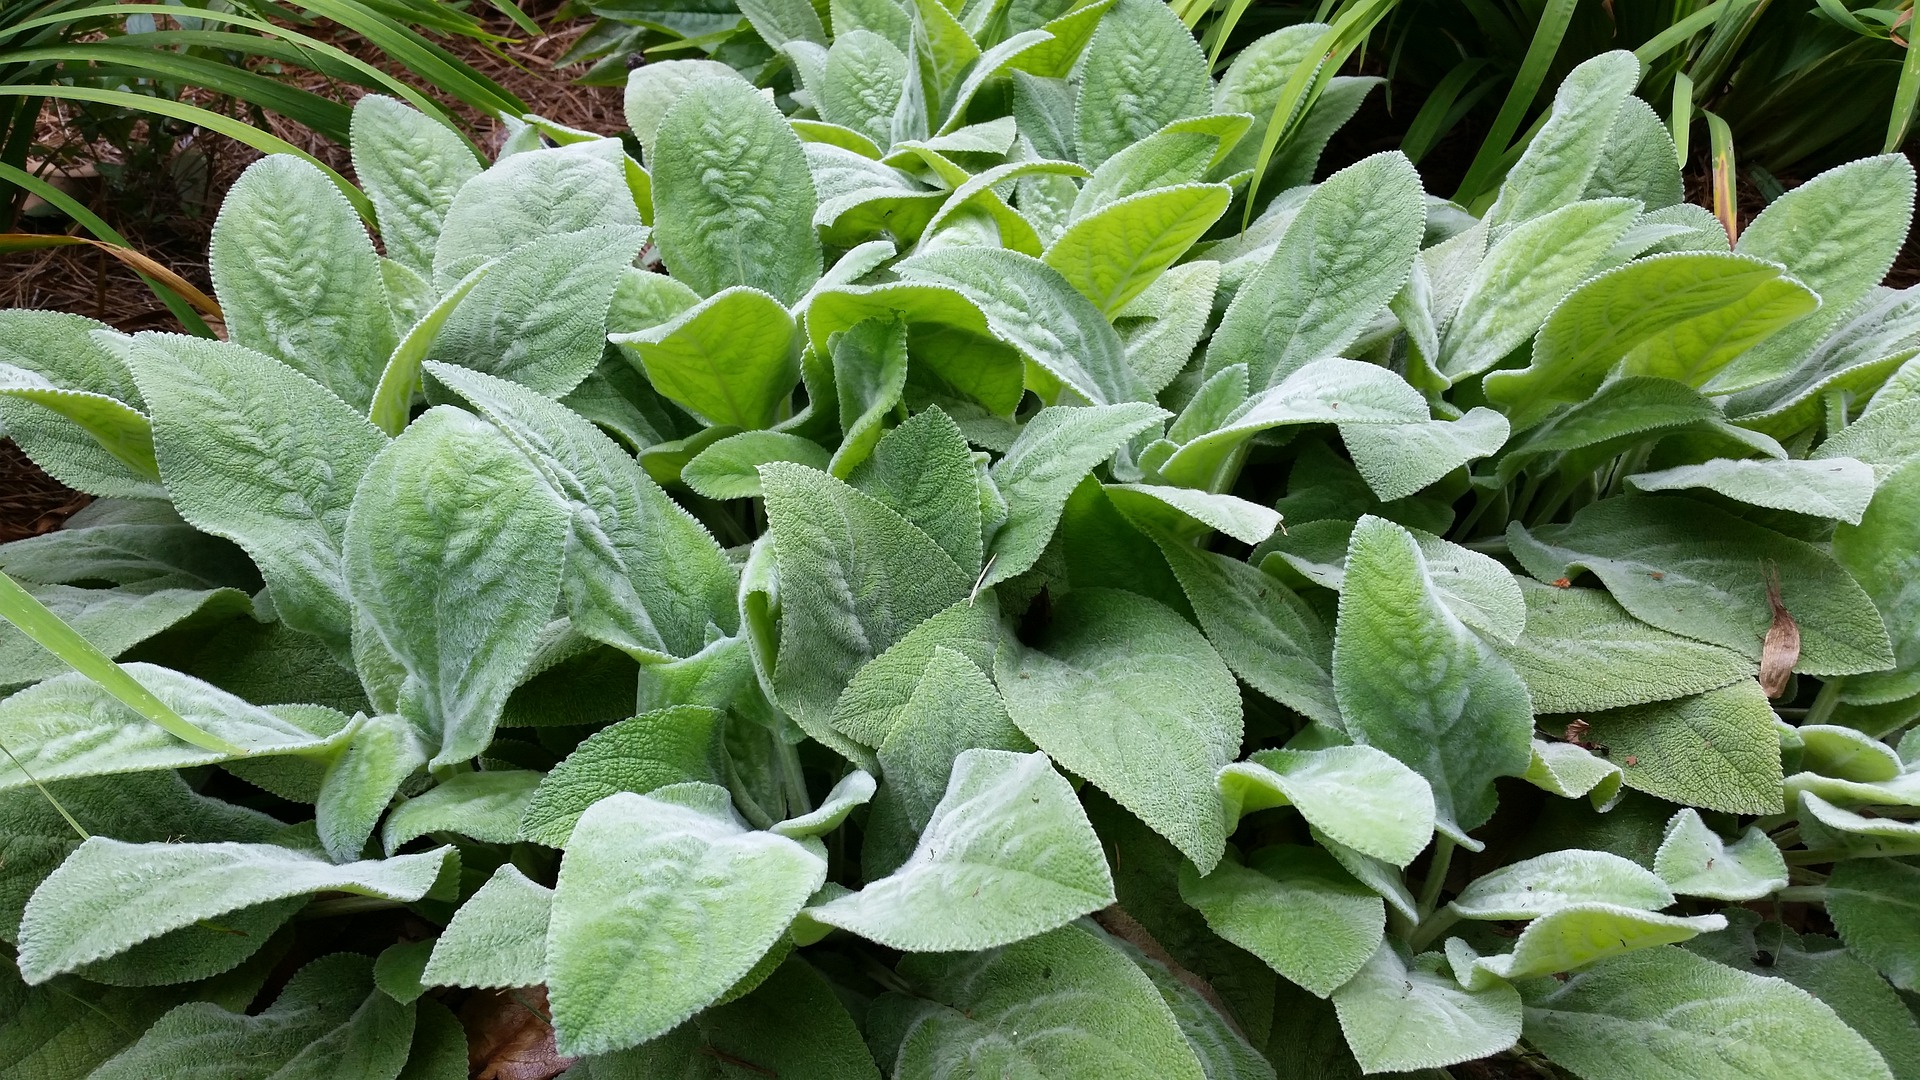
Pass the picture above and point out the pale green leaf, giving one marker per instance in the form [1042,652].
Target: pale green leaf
[730,468]
[735,199]
[1560,879]
[1694,861]
[865,78]
[1475,587]
[732,360]
[1834,487]
[59,360]
[1362,798]
[1113,254]
[1880,554]
[255,452]
[853,791]
[1716,750]
[652,89]
[659,909]
[114,620]
[539,315]
[361,782]
[498,938]
[1683,316]
[1265,633]
[1873,903]
[854,578]
[70,727]
[1399,1015]
[329,1021]
[924,471]
[137,807]
[1665,1014]
[1523,276]
[623,525]
[1124,692]
[1414,681]
[1295,908]
[669,746]
[1690,569]
[1054,452]
[1563,156]
[1571,771]
[110,896]
[485,806]
[878,698]
[298,279]
[1577,935]
[452,623]
[1820,966]
[1345,255]
[1177,510]
[1031,307]
[526,198]
[411,166]
[1141,71]
[1006,854]
[1839,232]
[1582,651]
[1063,1005]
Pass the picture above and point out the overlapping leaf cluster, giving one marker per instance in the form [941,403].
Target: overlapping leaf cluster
[872,646]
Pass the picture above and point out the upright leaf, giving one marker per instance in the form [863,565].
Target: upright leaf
[527,197]
[623,527]
[855,577]
[539,315]
[1054,452]
[1414,681]
[1562,158]
[1839,232]
[1346,254]
[453,561]
[1142,70]
[298,279]
[411,166]
[734,195]
[1880,554]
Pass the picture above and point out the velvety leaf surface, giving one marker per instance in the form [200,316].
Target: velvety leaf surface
[1125,693]
[1665,1013]
[1006,854]
[1412,680]
[661,907]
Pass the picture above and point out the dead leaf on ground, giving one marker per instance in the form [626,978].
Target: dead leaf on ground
[510,1035]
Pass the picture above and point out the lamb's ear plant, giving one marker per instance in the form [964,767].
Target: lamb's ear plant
[980,612]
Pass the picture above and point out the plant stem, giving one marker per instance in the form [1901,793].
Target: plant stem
[1430,928]
[798,801]
[1436,875]
[1804,894]
[1827,700]
[348,905]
